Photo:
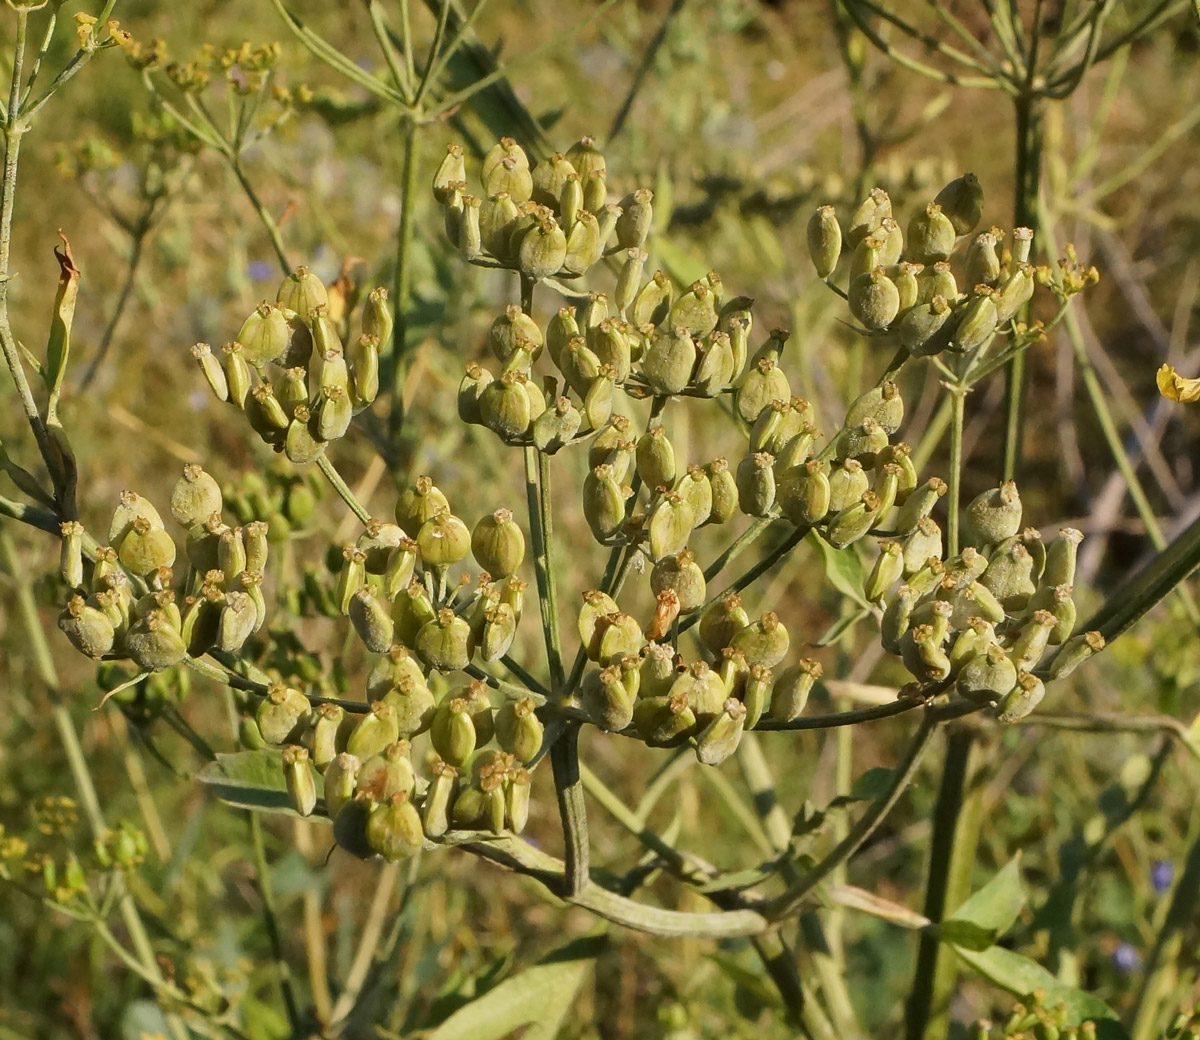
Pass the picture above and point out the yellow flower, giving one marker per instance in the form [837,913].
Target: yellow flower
[1175,388]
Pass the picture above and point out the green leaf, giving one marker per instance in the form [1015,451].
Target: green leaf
[990,912]
[871,784]
[843,568]
[1020,976]
[540,997]
[253,780]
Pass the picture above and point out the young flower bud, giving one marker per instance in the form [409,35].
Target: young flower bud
[1076,650]
[789,694]
[439,799]
[682,575]
[982,264]
[146,547]
[863,442]
[373,732]
[341,776]
[542,250]
[695,310]
[724,492]
[556,427]
[89,629]
[363,355]
[1009,576]
[664,721]
[637,216]
[656,458]
[897,616]
[443,540]
[603,503]
[498,216]
[653,301]
[756,484]
[904,275]
[882,404]
[302,292]
[1060,558]
[394,829]
[978,322]
[413,703]
[331,414]
[868,216]
[518,730]
[606,700]
[616,635]
[325,728]
[848,481]
[71,553]
[498,543]
[453,732]
[609,342]
[923,543]
[962,202]
[585,243]
[670,361]
[854,521]
[931,235]
[510,177]
[419,503]
[887,570]
[721,622]
[371,620]
[264,335]
[236,622]
[196,497]
[515,330]
[211,368]
[351,578]
[994,515]
[387,773]
[720,738]
[804,492]
[445,643]
[824,240]
[1025,696]
[452,168]
[918,327]
[764,642]
[987,677]
[297,775]
[766,382]
[629,279]
[874,299]
[917,506]
[669,526]
[282,714]
[504,407]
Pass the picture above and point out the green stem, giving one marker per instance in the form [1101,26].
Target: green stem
[268,222]
[402,282]
[267,891]
[398,72]
[439,33]
[792,901]
[956,822]
[1025,210]
[954,492]
[364,955]
[342,488]
[550,616]
[568,789]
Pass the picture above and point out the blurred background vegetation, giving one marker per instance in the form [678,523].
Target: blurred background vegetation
[746,116]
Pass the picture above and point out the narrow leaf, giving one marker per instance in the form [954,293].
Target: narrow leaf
[843,568]
[252,780]
[58,348]
[1020,976]
[990,912]
[541,995]
[842,627]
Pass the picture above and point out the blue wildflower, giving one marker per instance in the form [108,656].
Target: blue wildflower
[1161,875]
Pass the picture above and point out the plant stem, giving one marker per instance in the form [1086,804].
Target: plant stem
[402,282]
[568,788]
[342,488]
[267,891]
[550,617]
[954,492]
[365,952]
[956,822]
